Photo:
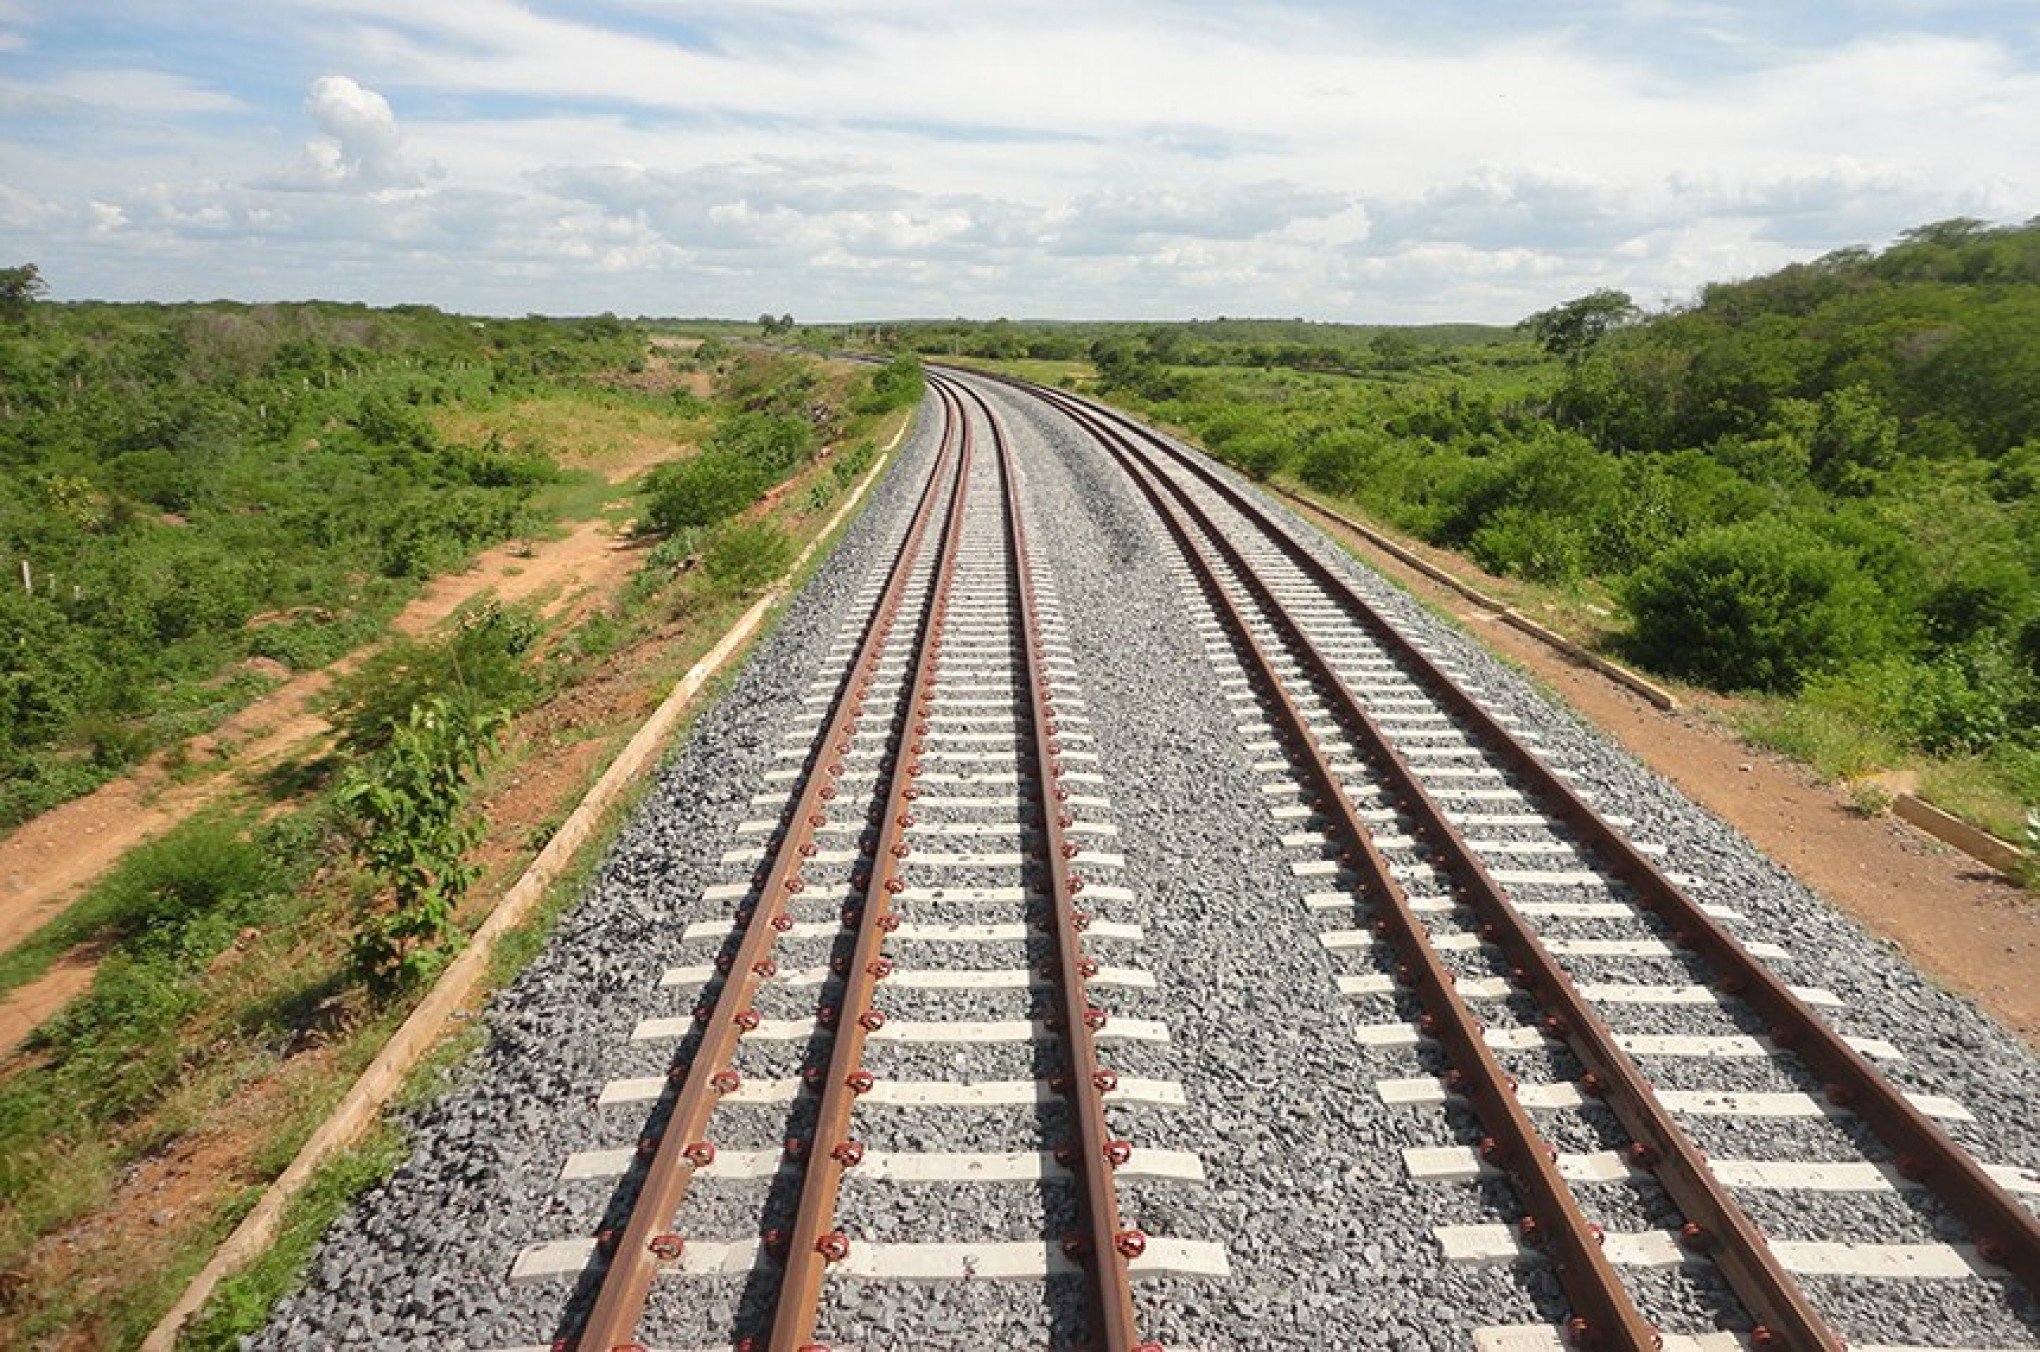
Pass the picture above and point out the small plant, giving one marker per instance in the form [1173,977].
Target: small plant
[412,834]
[746,557]
[1868,798]
[2028,871]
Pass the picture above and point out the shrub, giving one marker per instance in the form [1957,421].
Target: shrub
[412,833]
[1755,606]
[1521,542]
[702,490]
[478,666]
[746,556]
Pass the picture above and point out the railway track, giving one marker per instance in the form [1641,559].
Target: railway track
[1414,1033]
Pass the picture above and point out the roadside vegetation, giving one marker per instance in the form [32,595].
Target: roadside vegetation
[252,960]
[1818,490]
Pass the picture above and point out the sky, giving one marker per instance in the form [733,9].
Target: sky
[1399,161]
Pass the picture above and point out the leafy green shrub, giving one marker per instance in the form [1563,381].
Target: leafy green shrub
[1967,699]
[1260,455]
[746,556]
[478,667]
[1522,542]
[1755,606]
[412,831]
[703,489]
[897,384]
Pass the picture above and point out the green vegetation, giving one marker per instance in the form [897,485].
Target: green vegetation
[191,487]
[250,962]
[412,834]
[1819,488]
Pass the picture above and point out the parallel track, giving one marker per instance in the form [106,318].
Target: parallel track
[1386,761]
[1309,696]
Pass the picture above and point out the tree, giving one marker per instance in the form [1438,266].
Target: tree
[20,288]
[1571,330]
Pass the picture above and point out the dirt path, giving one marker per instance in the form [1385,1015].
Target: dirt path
[47,862]
[1963,925]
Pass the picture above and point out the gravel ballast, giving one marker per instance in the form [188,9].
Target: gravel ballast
[1330,1244]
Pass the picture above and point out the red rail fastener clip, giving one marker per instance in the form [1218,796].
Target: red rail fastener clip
[748,1019]
[1117,1153]
[1088,967]
[871,1020]
[860,1081]
[894,886]
[1080,921]
[1531,1230]
[1580,1333]
[1491,1150]
[725,1081]
[667,1247]
[1105,1080]
[647,1146]
[1076,883]
[766,967]
[879,968]
[1070,849]
[888,923]
[1095,1018]
[834,1247]
[796,1147]
[1643,1155]
[1911,1167]
[1764,1340]
[796,884]
[1592,1085]
[809,850]
[1694,1236]
[776,1242]
[700,1154]
[1075,1247]
[1839,1094]
[848,1153]
[825,1015]
[1992,1250]
[1130,1243]
[1557,1028]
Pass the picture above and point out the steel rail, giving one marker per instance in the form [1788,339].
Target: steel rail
[1105,1245]
[813,1241]
[1715,1223]
[1512,1142]
[646,1244]
[2005,1233]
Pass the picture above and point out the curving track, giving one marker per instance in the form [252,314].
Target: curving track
[1228,958]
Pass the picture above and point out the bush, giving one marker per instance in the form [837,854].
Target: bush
[710,487]
[478,667]
[747,556]
[1756,606]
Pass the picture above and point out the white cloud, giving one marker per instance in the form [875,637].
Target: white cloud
[362,146]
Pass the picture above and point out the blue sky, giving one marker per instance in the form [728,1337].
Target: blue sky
[1388,160]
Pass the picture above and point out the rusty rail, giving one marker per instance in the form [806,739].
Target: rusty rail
[814,1242]
[1106,1246]
[1511,1142]
[2005,1233]
[646,1243]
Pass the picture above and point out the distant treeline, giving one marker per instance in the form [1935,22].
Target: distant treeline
[1824,481]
